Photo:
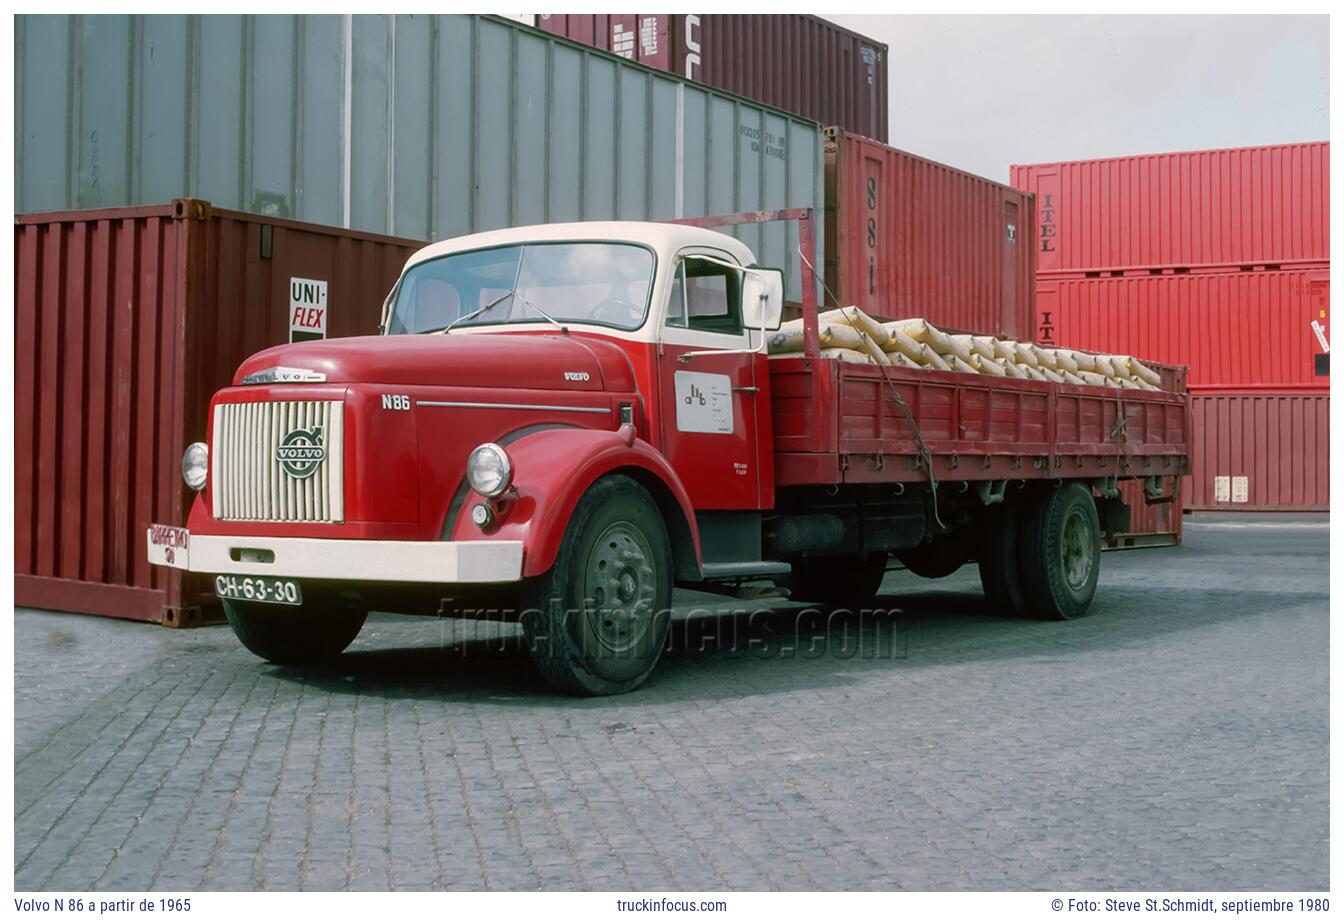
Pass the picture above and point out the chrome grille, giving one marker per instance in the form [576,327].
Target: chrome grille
[250,483]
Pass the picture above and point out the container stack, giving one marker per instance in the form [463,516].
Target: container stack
[1217,259]
[798,63]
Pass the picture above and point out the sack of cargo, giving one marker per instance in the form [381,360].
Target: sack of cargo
[1071,377]
[1145,374]
[899,360]
[955,363]
[984,345]
[830,335]
[1104,367]
[1121,367]
[1033,373]
[859,320]
[1013,369]
[1045,357]
[930,358]
[1097,380]
[1005,351]
[1064,360]
[928,334]
[1051,374]
[873,351]
[900,343]
[985,365]
[1085,360]
[846,354]
[974,345]
[1026,354]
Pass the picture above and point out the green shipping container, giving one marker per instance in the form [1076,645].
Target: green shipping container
[419,126]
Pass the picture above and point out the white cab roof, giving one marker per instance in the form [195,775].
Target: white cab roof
[663,238]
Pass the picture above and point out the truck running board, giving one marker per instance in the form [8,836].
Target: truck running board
[754,569]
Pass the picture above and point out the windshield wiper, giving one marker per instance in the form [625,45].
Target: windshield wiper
[498,300]
[494,303]
[544,315]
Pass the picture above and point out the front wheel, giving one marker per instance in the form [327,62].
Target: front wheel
[1060,552]
[318,630]
[596,623]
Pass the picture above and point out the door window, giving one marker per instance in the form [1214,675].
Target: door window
[706,296]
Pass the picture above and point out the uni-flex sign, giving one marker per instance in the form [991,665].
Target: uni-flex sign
[307,309]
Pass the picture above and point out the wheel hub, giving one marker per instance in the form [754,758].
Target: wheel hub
[1077,550]
[619,588]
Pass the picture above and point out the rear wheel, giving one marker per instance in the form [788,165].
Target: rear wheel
[596,623]
[1060,552]
[998,557]
[838,581]
[318,630]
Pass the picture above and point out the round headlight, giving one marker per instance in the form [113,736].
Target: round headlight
[195,464]
[489,470]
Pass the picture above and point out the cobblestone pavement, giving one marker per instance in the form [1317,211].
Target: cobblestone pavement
[1176,738]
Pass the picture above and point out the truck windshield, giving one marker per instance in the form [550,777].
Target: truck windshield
[603,283]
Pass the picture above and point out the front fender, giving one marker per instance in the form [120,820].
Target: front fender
[552,470]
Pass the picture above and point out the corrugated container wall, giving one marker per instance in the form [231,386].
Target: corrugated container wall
[1249,206]
[1233,329]
[126,321]
[422,126]
[799,63]
[1260,451]
[906,236]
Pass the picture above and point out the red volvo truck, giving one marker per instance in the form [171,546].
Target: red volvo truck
[580,416]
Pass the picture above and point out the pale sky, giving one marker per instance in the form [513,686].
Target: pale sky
[982,92]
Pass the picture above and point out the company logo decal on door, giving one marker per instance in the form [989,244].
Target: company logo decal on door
[704,402]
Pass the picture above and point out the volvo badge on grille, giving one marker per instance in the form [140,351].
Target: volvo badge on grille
[301,451]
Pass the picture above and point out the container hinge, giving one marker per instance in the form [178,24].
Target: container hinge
[844,462]
[1152,486]
[952,461]
[1016,462]
[879,461]
[991,493]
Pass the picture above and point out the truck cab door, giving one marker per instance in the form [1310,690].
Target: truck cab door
[714,409]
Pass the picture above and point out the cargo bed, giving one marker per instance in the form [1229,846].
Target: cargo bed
[838,422]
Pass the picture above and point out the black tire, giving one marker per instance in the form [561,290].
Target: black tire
[596,623]
[316,631]
[1060,552]
[851,582]
[1000,573]
[938,558]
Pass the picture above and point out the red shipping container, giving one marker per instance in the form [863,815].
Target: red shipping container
[1247,206]
[906,236]
[1261,450]
[126,322]
[642,37]
[798,63]
[1233,329]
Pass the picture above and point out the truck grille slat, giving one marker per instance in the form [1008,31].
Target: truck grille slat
[249,482]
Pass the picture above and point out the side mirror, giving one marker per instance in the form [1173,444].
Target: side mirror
[762,298]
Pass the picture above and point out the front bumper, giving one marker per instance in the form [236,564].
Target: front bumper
[404,561]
